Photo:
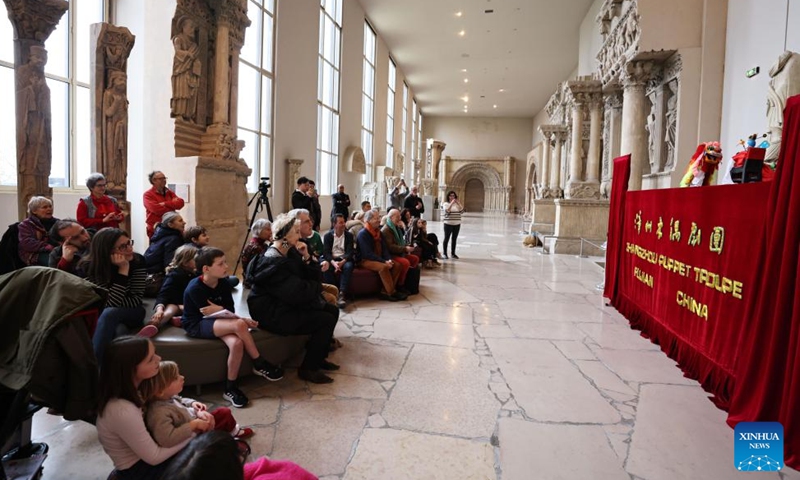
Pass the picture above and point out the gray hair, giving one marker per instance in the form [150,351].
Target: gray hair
[260,225]
[35,203]
[370,214]
[92,180]
[295,213]
[283,224]
[168,217]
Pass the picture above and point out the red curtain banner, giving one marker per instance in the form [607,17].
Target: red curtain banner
[768,366]
[619,187]
[687,268]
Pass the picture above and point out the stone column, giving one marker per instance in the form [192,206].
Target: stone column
[33,22]
[576,155]
[292,174]
[560,136]
[634,118]
[547,161]
[595,138]
[222,72]
[612,94]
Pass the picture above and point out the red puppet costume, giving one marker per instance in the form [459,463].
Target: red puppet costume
[703,167]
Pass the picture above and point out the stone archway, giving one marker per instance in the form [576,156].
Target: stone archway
[474,195]
[496,195]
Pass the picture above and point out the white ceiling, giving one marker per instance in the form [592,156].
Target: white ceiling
[525,47]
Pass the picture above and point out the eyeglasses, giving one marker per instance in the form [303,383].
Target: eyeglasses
[125,246]
[159,178]
[100,185]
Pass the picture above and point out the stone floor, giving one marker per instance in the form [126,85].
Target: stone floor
[506,365]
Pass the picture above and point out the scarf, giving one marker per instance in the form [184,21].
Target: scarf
[398,238]
[376,236]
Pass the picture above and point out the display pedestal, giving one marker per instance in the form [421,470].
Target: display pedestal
[576,219]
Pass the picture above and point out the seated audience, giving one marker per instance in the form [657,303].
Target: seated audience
[375,256]
[365,206]
[159,200]
[112,265]
[215,455]
[196,236]
[74,245]
[286,298]
[120,424]
[259,242]
[309,238]
[427,243]
[171,419]
[394,235]
[167,239]
[99,210]
[169,302]
[405,219]
[209,294]
[339,251]
[316,209]
[356,224]
[34,232]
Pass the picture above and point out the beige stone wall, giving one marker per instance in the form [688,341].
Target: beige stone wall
[580,218]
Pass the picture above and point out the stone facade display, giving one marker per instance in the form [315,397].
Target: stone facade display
[292,174]
[354,160]
[785,83]
[496,174]
[33,22]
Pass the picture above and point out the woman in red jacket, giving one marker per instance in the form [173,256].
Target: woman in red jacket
[99,210]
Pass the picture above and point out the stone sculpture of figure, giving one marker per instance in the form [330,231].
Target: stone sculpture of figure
[34,122]
[784,84]
[115,139]
[651,138]
[186,70]
[672,125]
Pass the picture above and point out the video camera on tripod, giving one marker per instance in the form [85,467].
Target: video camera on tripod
[263,201]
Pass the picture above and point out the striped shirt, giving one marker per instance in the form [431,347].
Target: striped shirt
[452,213]
[125,291]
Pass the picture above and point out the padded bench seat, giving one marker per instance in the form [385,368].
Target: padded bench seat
[205,361]
[364,282]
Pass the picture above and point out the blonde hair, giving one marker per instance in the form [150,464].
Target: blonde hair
[183,255]
[151,387]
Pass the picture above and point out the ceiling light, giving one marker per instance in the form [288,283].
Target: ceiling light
[462,32]
[465,98]
[458,14]
[502,90]
[466,80]
[464,70]
[494,106]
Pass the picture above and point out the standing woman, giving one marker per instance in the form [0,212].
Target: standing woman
[452,209]
[112,265]
[120,424]
[98,210]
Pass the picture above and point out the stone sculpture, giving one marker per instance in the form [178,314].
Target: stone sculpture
[784,84]
[34,154]
[115,128]
[186,71]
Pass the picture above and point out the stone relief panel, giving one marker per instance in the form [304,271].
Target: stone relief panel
[620,38]
[354,160]
[784,83]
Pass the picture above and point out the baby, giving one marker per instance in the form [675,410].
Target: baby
[172,419]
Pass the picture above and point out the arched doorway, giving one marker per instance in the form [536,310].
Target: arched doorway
[474,195]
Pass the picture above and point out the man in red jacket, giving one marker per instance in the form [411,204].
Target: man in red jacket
[159,200]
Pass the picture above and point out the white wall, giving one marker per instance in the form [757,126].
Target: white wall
[590,40]
[486,137]
[758,32]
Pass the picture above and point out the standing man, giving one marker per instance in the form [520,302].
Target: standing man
[398,194]
[414,204]
[339,251]
[159,200]
[300,198]
[341,203]
[316,209]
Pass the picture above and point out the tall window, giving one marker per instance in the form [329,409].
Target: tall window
[403,126]
[422,142]
[414,133]
[68,76]
[330,34]
[390,115]
[256,85]
[368,100]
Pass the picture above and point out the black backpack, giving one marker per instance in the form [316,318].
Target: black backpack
[9,250]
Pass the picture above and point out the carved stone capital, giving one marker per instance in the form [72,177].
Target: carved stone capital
[637,73]
[582,190]
[612,95]
[35,20]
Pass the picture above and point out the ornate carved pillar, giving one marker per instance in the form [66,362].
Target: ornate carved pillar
[292,174]
[33,22]
[560,136]
[634,118]
[110,47]
[547,160]
[576,153]
[436,148]
[595,139]
[612,133]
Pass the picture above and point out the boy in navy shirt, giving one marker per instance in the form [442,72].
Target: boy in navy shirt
[210,294]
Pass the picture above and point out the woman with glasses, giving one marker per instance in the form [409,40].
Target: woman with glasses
[99,210]
[112,265]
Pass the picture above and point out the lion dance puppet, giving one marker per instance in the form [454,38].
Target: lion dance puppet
[703,167]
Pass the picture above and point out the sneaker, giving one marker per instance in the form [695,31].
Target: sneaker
[341,302]
[237,398]
[329,366]
[390,298]
[455,257]
[269,371]
[148,331]
[444,256]
[313,376]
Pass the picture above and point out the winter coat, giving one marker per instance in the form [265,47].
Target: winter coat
[162,248]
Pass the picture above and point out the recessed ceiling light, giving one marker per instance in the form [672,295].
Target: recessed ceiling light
[458,14]
[464,70]
[502,90]
[462,32]
[465,98]
[466,80]
[494,106]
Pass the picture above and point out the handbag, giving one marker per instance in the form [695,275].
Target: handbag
[152,284]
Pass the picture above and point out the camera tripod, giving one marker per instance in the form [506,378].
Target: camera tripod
[262,201]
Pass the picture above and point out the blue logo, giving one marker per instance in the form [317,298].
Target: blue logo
[758,446]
